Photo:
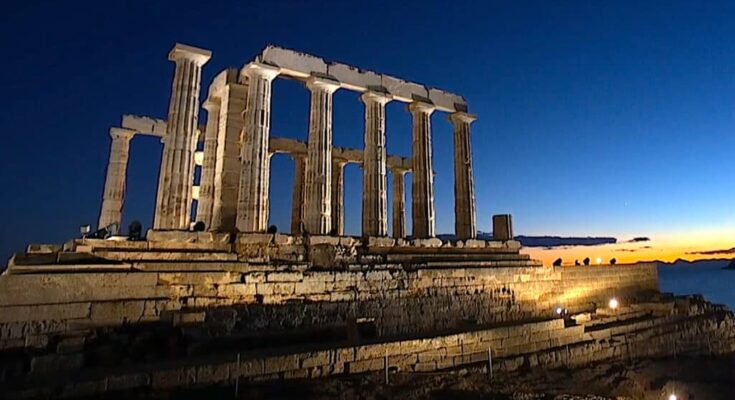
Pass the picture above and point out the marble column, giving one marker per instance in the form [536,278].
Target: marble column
[227,166]
[375,180]
[318,191]
[252,203]
[205,202]
[399,202]
[297,201]
[173,205]
[422,182]
[465,224]
[117,165]
[338,195]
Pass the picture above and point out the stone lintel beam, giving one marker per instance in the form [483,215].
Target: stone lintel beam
[301,66]
[296,147]
[190,53]
[144,125]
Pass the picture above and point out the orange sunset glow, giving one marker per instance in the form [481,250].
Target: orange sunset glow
[692,245]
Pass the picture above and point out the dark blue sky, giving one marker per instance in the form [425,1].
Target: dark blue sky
[615,118]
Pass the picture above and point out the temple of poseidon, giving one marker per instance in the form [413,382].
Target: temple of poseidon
[211,296]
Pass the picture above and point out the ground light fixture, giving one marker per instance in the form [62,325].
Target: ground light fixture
[673,397]
[598,260]
[614,304]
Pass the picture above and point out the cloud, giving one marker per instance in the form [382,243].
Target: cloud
[639,239]
[712,252]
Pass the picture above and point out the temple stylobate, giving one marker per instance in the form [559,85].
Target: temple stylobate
[232,191]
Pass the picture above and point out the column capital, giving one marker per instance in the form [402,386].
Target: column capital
[376,95]
[211,103]
[325,83]
[461,116]
[122,133]
[185,52]
[421,106]
[261,70]
[398,170]
[340,161]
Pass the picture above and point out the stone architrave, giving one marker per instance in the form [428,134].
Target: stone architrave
[114,192]
[297,200]
[375,180]
[338,195]
[399,202]
[205,202]
[422,182]
[227,167]
[252,203]
[318,195]
[173,203]
[465,219]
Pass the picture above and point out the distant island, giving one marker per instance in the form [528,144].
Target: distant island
[548,241]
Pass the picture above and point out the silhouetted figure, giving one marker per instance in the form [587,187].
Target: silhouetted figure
[199,226]
[272,229]
[135,231]
[586,261]
[557,262]
[613,261]
[576,262]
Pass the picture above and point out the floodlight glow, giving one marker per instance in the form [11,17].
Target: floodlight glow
[559,310]
[673,397]
[614,303]
[599,260]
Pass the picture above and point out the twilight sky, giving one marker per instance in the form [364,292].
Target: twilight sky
[613,119]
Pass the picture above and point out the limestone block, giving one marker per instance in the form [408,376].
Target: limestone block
[43,248]
[127,381]
[432,242]
[322,240]
[214,373]
[254,277]
[44,312]
[447,100]
[198,278]
[316,358]
[475,244]
[281,363]
[171,378]
[284,277]
[70,288]
[247,368]
[56,364]
[381,242]
[188,318]
[72,344]
[281,239]
[353,77]
[322,255]
[349,241]
[237,290]
[117,313]
[297,63]
[406,91]
[255,238]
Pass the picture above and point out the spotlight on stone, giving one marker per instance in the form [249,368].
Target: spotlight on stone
[199,226]
[613,304]
[135,231]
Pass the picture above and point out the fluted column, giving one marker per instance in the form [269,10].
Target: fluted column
[173,205]
[399,202]
[227,166]
[465,224]
[297,200]
[338,196]
[375,180]
[205,203]
[422,182]
[252,205]
[318,195]
[117,165]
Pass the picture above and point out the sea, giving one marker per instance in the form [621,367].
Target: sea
[707,278]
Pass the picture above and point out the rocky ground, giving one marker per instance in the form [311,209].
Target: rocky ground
[710,378]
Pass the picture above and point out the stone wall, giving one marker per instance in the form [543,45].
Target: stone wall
[236,298]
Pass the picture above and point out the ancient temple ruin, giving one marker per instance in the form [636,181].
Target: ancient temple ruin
[235,303]
[232,193]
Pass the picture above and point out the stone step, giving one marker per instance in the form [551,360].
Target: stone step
[165,256]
